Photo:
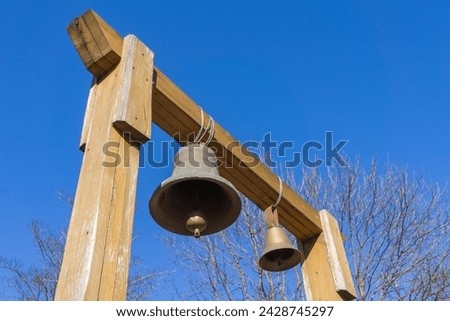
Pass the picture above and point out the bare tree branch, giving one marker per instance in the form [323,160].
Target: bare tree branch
[396,223]
[38,282]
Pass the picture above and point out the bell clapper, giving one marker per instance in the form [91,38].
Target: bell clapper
[279,259]
[196,223]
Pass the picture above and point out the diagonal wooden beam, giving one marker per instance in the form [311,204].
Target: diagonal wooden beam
[99,45]
[178,115]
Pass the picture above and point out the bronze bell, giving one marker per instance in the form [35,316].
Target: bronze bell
[279,254]
[195,200]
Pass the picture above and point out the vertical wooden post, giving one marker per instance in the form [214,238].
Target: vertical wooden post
[326,273]
[118,117]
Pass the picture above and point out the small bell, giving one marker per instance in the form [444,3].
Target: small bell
[279,254]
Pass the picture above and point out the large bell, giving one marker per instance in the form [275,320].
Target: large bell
[279,254]
[195,200]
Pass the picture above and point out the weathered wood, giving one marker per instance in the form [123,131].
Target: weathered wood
[131,113]
[96,259]
[87,122]
[132,108]
[337,257]
[180,117]
[325,270]
[100,232]
[99,45]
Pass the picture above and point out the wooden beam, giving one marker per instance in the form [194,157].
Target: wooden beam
[97,254]
[98,45]
[100,229]
[337,257]
[132,113]
[326,273]
[180,117]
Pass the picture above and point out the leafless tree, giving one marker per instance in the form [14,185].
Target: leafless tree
[397,227]
[38,282]
[396,223]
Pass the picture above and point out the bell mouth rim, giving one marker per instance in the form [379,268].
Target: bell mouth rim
[271,267]
[222,182]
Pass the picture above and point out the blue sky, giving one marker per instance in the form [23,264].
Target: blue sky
[375,73]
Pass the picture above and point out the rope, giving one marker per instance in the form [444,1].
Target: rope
[280,194]
[200,132]
[203,130]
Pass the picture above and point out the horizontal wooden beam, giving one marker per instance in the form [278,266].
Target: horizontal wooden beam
[178,115]
[98,45]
